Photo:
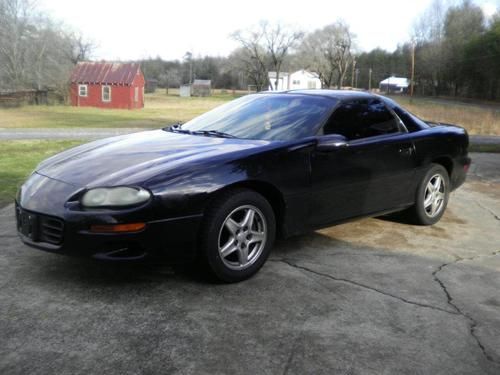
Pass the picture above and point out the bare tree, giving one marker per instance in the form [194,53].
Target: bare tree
[79,48]
[278,41]
[428,32]
[15,31]
[34,51]
[329,52]
[252,56]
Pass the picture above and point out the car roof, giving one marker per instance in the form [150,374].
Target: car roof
[336,94]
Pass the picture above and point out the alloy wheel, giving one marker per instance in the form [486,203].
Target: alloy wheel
[435,193]
[242,237]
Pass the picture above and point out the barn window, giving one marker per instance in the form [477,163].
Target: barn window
[296,82]
[106,93]
[82,90]
[136,94]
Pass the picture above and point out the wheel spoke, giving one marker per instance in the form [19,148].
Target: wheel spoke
[256,237]
[249,217]
[232,226]
[243,255]
[428,200]
[228,248]
[437,183]
[434,208]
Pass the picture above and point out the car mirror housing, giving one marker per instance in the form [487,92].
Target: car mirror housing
[331,142]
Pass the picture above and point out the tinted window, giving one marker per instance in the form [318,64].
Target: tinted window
[362,118]
[267,116]
[412,122]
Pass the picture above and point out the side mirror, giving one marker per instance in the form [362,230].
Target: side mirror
[331,142]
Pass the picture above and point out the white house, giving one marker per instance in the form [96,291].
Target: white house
[394,84]
[301,79]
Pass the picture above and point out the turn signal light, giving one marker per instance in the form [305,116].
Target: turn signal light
[117,228]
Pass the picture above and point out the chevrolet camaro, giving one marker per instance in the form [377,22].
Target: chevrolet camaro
[220,188]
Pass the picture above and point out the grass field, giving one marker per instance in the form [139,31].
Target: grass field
[161,110]
[476,118]
[19,158]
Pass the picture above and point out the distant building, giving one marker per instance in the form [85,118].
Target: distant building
[201,87]
[301,79]
[107,85]
[394,85]
[151,85]
[185,91]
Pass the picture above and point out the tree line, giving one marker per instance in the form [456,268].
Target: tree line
[35,52]
[456,49]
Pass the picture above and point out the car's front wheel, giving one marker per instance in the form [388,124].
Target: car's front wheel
[237,235]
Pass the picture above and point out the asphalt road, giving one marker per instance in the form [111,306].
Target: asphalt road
[370,297]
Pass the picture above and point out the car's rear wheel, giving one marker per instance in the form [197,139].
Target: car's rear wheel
[237,235]
[432,196]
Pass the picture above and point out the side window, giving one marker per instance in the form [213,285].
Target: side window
[82,90]
[361,119]
[106,93]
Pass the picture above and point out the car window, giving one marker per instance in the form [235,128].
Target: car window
[361,119]
[267,116]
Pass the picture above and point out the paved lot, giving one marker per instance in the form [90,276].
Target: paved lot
[370,297]
[51,133]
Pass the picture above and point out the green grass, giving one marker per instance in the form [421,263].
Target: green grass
[19,158]
[477,119]
[491,148]
[160,110]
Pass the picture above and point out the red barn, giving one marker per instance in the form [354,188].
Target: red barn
[107,85]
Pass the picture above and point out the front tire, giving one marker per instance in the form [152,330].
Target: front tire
[432,196]
[237,235]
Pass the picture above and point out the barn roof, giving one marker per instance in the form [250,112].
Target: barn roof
[396,81]
[105,73]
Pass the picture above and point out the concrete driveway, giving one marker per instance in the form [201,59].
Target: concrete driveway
[371,297]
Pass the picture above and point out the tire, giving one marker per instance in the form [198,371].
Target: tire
[430,204]
[237,235]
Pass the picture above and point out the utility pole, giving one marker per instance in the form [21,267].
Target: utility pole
[370,79]
[356,81]
[412,69]
[352,74]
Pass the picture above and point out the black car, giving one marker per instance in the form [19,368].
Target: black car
[222,186]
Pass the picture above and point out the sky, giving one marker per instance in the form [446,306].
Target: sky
[129,30]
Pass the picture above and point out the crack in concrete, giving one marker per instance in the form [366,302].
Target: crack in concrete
[364,286]
[472,322]
[488,210]
[456,310]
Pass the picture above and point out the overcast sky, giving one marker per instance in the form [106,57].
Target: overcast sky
[125,30]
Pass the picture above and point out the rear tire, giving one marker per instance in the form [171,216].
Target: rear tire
[237,235]
[432,196]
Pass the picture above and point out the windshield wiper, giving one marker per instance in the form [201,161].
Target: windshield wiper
[176,128]
[214,133]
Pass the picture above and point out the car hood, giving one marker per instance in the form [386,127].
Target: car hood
[134,158]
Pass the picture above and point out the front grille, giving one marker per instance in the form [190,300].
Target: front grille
[40,228]
[51,230]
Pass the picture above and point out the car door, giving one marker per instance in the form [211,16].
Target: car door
[370,170]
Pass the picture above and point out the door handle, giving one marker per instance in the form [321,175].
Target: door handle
[406,150]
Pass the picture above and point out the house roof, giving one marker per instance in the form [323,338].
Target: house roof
[105,73]
[396,81]
[273,74]
[202,82]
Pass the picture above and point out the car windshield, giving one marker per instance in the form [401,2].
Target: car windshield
[264,116]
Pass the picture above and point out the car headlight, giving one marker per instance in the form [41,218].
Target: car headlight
[117,196]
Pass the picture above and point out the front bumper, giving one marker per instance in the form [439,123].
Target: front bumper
[48,221]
